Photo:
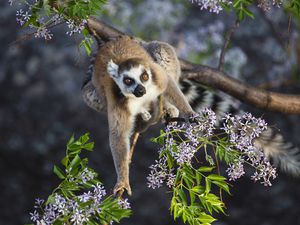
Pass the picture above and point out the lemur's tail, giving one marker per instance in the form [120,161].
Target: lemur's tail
[283,153]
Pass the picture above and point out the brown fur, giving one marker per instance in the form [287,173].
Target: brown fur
[121,122]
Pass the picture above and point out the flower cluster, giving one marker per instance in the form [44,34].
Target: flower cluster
[22,16]
[158,173]
[242,131]
[74,27]
[87,175]
[182,141]
[43,32]
[214,6]
[124,204]
[267,4]
[61,207]
[42,23]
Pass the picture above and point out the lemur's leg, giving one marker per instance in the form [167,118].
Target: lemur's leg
[174,96]
[120,127]
[134,139]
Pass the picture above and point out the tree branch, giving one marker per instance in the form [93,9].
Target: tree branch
[226,43]
[271,101]
[259,98]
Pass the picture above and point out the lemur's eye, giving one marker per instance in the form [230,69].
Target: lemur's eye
[145,76]
[128,81]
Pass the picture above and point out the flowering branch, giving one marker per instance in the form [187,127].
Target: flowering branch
[271,101]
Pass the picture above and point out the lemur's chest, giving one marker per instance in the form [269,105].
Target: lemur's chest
[138,105]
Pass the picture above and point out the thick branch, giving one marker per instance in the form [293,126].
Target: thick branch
[259,98]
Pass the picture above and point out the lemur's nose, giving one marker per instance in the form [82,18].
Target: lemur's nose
[139,91]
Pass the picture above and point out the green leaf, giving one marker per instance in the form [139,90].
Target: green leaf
[89,146]
[248,13]
[222,185]
[58,172]
[192,197]
[198,177]
[198,189]
[216,177]
[207,185]
[65,161]
[84,138]
[71,140]
[206,168]
[182,196]
[75,162]
[204,218]
[189,181]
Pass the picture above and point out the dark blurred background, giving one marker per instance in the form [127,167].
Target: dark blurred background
[41,106]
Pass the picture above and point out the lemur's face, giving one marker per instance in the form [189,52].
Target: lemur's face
[132,77]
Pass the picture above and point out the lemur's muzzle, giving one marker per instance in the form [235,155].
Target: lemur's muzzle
[139,91]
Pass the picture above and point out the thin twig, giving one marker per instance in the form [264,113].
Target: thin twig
[226,43]
[219,172]
[29,35]
[289,33]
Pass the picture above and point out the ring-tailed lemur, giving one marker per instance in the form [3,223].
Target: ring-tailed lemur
[129,87]
[107,89]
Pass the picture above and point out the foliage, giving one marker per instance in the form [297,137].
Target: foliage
[80,198]
[41,15]
[196,186]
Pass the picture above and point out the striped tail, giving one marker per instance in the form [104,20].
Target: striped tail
[283,153]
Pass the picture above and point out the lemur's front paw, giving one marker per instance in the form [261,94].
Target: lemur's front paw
[172,111]
[146,116]
[120,187]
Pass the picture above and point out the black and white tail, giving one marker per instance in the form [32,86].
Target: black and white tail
[283,153]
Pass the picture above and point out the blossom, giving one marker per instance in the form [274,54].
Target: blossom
[157,174]
[213,6]
[74,28]
[34,216]
[264,172]
[266,4]
[22,17]
[171,180]
[78,217]
[185,153]
[124,204]
[236,170]
[86,175]
[43,32]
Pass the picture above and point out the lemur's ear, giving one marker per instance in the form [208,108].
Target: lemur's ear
[112,69]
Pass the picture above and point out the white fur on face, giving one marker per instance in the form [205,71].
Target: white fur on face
[133,73]
[112,69]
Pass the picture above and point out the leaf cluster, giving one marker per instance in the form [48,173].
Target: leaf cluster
[72,185]
[193,199]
